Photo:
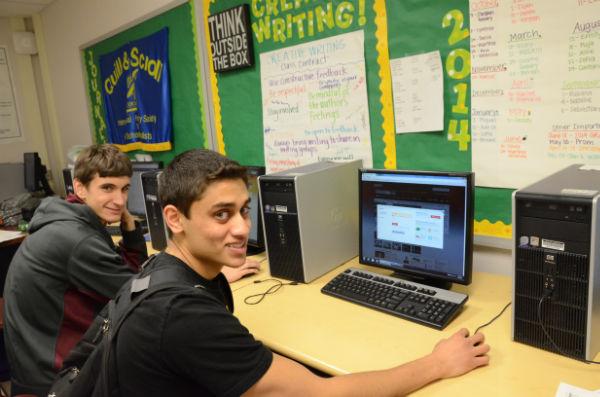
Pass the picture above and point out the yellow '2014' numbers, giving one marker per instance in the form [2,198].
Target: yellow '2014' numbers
[458,67]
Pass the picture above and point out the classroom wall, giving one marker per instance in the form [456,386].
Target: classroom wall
[62,29]
[26,95]
[67,26]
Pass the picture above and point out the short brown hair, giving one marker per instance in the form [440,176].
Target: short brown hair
[104,160]
[189,174]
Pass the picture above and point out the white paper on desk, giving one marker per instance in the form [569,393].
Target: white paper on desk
[6,235]
[566,390]
[418,92]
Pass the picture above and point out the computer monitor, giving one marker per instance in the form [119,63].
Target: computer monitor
[135,201]
[68,181]
[256,242]
[418,224]
[35,174]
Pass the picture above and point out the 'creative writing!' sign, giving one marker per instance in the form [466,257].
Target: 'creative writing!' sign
[230,44]
[135,88]
[278,21]
[314,98]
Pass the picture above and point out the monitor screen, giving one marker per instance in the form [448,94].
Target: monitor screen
[135,201]
[418,224]
[33,171]
[255,239]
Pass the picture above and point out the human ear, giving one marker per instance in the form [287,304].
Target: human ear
[172,218]
[79,189]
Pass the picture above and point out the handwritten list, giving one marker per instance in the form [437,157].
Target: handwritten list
[418,92]
[314,99]
[535,88]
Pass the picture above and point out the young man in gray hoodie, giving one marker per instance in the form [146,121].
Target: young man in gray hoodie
[68,268]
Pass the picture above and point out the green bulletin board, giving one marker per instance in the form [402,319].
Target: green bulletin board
[392,29]
[241,90]
[186,101]
[417,26]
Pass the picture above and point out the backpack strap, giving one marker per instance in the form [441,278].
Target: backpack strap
[130,298]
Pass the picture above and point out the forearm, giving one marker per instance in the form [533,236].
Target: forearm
[397,381]
[286,377]
[133,249]
[451,357]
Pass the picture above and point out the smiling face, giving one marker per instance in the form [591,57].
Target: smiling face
[106,196]
[216,232]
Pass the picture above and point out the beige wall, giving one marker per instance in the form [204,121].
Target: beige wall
[28,108]
[63,29]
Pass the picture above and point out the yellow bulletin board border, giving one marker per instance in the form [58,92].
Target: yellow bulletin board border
[214,86]
[497,229]
[385,87]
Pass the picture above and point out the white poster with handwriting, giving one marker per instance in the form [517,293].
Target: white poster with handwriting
[418,92]
[535,88]
[9,121]
[314,99]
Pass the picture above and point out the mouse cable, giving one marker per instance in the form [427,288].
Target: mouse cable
[561,351]
[494,319]
[257,298]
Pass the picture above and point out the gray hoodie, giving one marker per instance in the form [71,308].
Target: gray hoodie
[59,279]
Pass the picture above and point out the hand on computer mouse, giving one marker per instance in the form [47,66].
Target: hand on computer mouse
[249,268]
[460,354]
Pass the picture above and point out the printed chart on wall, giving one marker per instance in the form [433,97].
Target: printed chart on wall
[535,88]
[9,121]
[315,106]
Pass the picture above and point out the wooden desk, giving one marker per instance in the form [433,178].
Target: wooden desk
[8,248]
[339,337]
[16,240]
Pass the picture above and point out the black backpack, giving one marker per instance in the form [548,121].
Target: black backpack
[89,370]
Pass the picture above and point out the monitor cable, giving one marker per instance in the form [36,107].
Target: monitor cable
[547,295]
[494,319]
[257,298]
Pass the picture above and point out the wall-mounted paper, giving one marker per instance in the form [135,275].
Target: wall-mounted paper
[535,89]
[314,100]
[9,120]
[418,91]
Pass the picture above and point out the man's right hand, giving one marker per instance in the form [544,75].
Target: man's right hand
[460,354]
[127,221]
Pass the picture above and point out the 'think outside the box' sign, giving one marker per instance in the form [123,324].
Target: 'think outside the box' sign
[230,39]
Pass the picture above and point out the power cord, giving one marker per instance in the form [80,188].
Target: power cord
[547,295]
[257,298]
[494,319]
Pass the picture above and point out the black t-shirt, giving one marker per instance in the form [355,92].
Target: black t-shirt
[182,343]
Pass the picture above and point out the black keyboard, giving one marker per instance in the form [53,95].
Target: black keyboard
[434,307]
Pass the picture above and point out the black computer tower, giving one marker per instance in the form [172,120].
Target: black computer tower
[556,285]
[156,224]
[68,181]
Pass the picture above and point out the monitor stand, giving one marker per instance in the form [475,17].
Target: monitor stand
[250,250]
[433,282]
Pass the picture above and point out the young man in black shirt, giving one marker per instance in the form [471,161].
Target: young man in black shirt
[178,342]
